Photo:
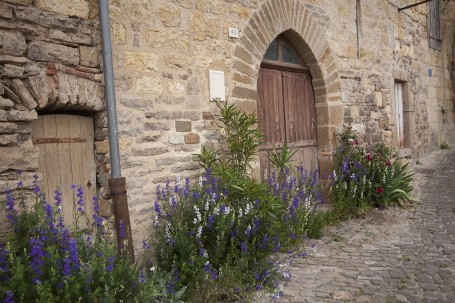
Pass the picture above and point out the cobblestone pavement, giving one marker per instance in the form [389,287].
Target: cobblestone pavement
[391,256]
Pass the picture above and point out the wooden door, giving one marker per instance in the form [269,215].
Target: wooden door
[66,158]
[287,112]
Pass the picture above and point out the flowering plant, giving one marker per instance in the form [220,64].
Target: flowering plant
[366,176]
[47,261]
[218,236]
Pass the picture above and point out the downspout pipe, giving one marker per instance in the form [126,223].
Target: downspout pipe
[117,184]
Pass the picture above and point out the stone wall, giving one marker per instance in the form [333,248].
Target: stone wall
[49,62]
[163,51]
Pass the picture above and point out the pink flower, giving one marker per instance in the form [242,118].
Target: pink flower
[370,157]
[380,190]
[356,142]
[388,163]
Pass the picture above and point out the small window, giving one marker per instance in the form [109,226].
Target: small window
[398,112]
[434,24]
[272,51]
[281,53]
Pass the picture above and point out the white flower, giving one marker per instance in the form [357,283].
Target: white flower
[201,181]
[199,232]
[198,215]
[247,209]
[286,275]
[240,213]
[265,174]
[152,269]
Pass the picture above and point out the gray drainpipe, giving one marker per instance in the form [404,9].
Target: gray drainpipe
[117,184]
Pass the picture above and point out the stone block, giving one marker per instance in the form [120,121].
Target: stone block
[89,56]
[145,150]
[24,158]
[243,68]
[159,125]
[118,33]
[106,208]
[44,51]
[177,138]
[6,12]
[11,139]
[186,166]
[242,54]
[19,115]
[143,61]
[12,71]
[191,115]
[148,84]
[244,93]
[6,103]
[102,147]
[208,116]
[137,103]
[192,138]
[183,126]
[74,8]
[40,89]
[12,43]
[19,88]
[7,127]
[3,115]
[169,15]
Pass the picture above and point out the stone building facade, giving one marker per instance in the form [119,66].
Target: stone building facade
[358,54]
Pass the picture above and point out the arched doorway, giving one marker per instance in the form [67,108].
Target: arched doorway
[286,105]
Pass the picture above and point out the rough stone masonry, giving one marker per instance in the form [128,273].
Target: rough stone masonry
[163,51]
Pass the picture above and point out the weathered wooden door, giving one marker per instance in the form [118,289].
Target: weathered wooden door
[286,107]
[66,158]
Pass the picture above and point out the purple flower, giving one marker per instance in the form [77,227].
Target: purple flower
[145,245]
[256,224]
[236,289]
[97,219]
[110,264]
[9,297]
[74,258]
[66,267]
[12,215]
[243,247]
[141,277]
[80,199]
[207,267]
[37,256]
[213,274]
[248,232]
[157,209]
[3,263]
[210,220]
[263,244]
[122,231]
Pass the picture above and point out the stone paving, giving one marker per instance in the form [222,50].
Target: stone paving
[396,255]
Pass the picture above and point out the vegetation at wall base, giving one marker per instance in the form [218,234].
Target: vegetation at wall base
[367,176]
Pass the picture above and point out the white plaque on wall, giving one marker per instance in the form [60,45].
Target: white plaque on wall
[217,83]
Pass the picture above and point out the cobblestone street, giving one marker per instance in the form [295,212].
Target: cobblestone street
[391,256]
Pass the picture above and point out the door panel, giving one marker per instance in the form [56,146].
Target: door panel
[287,111]
[66,157]
[270,109]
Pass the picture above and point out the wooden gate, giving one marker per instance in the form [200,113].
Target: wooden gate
[66,158]
[287,112]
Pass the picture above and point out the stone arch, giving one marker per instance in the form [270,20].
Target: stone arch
[292,19]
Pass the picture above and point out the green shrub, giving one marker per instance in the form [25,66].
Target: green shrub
[219,235]
[365,177]
[46,261]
